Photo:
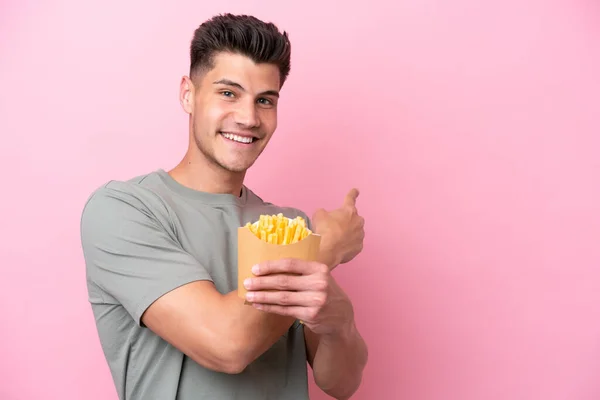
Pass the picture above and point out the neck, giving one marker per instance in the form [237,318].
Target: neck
[204,176]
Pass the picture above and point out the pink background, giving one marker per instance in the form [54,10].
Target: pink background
[472,129]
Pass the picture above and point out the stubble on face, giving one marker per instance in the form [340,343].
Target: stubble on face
[235,96]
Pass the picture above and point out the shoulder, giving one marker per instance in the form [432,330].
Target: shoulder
[119,200]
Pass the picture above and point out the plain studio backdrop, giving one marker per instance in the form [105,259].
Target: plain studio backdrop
[471,128]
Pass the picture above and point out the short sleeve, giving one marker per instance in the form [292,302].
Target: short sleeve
[131,255]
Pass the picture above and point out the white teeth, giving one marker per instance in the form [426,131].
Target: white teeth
[237,138]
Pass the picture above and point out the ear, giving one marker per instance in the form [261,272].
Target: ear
[186,94]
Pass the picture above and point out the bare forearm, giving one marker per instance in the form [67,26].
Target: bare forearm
[253,331]
[339,362]
[217,331]
[256,331]
[328,257]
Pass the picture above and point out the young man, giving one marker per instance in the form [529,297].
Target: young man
[160,251]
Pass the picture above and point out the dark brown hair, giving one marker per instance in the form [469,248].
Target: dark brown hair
[242,34]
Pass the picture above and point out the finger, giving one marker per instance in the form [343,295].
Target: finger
[351,197]
[283,298]
[361,222]
[296,312]
[287,265]
[319,213]
[279,282]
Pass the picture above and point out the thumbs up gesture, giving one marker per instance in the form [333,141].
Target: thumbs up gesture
[342,230]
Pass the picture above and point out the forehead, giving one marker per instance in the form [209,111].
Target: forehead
[242,70]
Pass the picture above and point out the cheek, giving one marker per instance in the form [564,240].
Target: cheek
[212,113]
[269,120]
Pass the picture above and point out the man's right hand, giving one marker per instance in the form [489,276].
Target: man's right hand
[301,289]
[342,230]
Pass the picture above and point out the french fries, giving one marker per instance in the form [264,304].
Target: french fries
[277,229]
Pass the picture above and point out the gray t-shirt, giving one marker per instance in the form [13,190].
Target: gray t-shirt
[147,236]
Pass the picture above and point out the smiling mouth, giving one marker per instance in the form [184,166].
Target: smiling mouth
[238,138]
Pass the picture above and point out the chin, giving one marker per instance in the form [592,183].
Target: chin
[237,170]
[236,167]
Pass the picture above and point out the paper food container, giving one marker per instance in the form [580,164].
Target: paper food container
[253,250]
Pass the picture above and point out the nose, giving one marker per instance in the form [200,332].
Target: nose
[247,115]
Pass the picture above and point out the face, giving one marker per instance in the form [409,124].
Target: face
[233,110]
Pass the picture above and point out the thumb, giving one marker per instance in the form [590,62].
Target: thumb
[351,197]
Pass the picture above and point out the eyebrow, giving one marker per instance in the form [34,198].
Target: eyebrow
[229,82]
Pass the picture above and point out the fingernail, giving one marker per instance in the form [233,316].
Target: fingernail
[249,296]
[255,269]
[248,283]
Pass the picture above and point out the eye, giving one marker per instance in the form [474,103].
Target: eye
[227,93]
[265,102]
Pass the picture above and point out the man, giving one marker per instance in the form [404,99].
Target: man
[161,257]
